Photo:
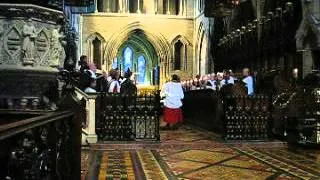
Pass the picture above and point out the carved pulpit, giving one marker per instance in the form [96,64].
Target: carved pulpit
[40,134]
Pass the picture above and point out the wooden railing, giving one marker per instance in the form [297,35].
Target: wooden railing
[43,147]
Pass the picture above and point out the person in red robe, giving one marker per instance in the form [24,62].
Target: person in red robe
[172,92]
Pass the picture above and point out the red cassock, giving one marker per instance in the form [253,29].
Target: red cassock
[172,116]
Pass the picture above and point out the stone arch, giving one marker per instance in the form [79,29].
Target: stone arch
[183,52]
[91,48]
[183,39]
[160,44]
[199,45]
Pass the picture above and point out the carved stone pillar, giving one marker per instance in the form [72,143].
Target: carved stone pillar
[138,7]
[181,7]
[127,6]
[108,4]
[168,7]
[95,6]
[120,10]
[156,6]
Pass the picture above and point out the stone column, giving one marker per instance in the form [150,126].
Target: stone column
[95,6]
[156,6]
[138,7]
[120,10]
[185,55]
[127,6]
[108,5]
[181,8]
[91,119]
[168,7]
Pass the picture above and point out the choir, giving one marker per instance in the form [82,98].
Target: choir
[216,81]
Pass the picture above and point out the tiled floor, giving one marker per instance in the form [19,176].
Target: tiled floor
[193,154]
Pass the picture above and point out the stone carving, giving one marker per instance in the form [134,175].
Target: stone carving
[42,46]
[56,46]
[28,45]
[70,48]
[13,44]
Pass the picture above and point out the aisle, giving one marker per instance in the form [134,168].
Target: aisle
[189,153]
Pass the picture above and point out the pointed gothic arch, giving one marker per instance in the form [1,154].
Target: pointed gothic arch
[201,50]
[179,48]
[158,41]
[95,44]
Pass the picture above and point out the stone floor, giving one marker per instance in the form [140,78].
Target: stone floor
[189,153]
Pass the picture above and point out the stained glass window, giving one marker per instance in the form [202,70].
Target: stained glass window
[141,70]
[127,55]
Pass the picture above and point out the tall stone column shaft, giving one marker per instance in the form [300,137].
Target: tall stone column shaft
[156,6]
[127,6]
[181,7]
[95,6]
[138,7]
[120,6]
[168,7]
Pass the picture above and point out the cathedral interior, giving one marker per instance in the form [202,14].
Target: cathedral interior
[84,89]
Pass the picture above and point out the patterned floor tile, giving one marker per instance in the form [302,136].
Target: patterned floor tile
[202,156]
[278,163]
[181,166]
[150,165]
[193,154]
[249,163]
[228,173]
[168,151]
[116,165]
[302,158]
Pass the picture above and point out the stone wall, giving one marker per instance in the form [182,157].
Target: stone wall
[161,30]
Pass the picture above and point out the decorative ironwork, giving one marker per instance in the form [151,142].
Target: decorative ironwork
[126,117]
[237,117]
[247,118]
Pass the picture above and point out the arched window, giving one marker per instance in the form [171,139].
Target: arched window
[141,70]
[97,52]
[127,59]
[115,63]
[178,55]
